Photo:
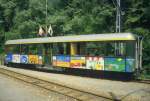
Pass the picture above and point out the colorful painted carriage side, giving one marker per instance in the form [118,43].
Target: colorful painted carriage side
[54,62]
[77,62]
[33,59]
[130,64]
[114,64]
[95,63]
[16,58]
[61,61]
[24,59]
[40,59]
[8,58]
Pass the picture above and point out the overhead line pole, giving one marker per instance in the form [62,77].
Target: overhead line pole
[118,26]
[118,17]
[46,17]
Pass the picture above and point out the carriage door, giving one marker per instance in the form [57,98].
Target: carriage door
[47,54]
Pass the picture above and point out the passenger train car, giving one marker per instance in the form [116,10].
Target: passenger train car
[107,54]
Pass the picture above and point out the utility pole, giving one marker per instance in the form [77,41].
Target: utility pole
[118,17]
[46,17]
[118,46]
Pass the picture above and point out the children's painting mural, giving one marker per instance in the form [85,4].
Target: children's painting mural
[40,60]
[61,60]
[90,62]
[16,58]
[33,59]
[115,64]
[130,64]
[8,58]
[24,59]
[77,62]
[96,63]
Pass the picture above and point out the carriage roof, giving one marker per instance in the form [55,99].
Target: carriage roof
[76,38]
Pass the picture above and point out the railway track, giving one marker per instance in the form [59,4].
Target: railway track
[146,81]
[60,89]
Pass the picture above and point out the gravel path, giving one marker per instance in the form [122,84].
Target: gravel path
[16,90]
[108,88]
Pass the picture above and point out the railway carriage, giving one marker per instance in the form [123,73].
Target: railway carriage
[107,54]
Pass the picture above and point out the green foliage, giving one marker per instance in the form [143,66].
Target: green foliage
[21,19]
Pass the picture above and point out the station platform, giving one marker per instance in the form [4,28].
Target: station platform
[121,90]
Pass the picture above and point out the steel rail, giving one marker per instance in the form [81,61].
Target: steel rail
[145,81]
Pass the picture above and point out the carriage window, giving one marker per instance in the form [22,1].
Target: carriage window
[109,49]
[116,49]
[130,49]
[15,49]
[61,48]
[46,49]
[40,49]
[33,49]
[9,49]
[95,49]
[24,49]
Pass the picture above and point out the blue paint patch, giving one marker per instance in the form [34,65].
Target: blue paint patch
[130,65]
[8,58]
[63,58]
[24,59]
